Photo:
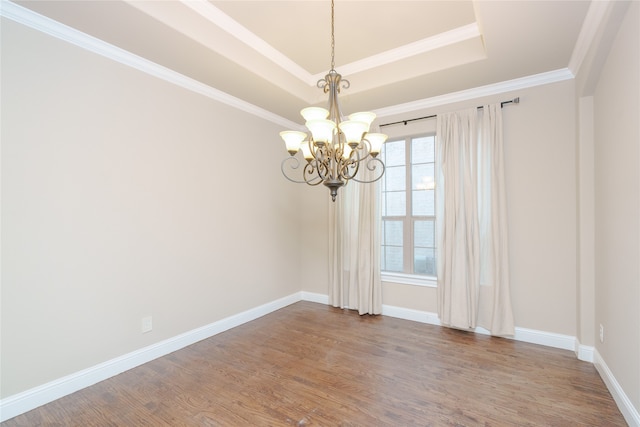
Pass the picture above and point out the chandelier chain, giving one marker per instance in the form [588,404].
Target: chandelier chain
[333,40]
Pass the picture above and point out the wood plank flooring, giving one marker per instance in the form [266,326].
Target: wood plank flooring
[313,365]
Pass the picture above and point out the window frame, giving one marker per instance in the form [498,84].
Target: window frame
[408,220]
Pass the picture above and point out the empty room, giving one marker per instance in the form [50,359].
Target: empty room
[320,212]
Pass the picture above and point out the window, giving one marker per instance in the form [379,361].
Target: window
[408,207]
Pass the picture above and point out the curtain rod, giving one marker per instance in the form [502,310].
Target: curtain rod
[502,104]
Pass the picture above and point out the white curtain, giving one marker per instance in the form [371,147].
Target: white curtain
[354,248]
[471,218]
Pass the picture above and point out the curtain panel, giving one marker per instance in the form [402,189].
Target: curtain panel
[354,248]
[471,218]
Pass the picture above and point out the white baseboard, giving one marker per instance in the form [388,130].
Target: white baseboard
[313,297]
[41,395]
[410,314]
[584,352]
[629,412]
[549,339]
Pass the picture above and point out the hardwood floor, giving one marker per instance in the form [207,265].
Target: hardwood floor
[313,365]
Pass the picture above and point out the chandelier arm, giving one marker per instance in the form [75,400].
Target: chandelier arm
[365,146]
[309,170]
[334,163]
[323,171]
[336,157]
[323,84]
[318,151]
[294,164]
[322,158]
[371,165]
[354,166]
[353,163]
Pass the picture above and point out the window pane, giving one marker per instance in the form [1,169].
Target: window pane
[424,203]
[422,177]
[424,234]
[393,258]
[392,233]
[409,183]
[393,152]
[422,150]
[395,178]
[395,203]
[424,261]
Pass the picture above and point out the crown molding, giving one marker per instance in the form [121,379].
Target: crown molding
[63,32]
[478,92]
[592,22]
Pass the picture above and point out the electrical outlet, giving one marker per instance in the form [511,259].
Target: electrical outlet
[601,333]
[147,324]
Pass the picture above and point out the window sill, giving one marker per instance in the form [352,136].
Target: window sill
[409,279]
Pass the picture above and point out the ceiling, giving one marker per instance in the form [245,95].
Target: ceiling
[271,53]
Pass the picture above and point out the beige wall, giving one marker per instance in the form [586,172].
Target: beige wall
[617,206]
[125,196]
[586,331]
[314,243]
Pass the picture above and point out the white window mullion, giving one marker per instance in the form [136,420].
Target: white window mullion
[408,247]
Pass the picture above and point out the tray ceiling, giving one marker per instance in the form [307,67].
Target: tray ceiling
[271,53]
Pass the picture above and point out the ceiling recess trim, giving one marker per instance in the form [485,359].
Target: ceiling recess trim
[429,44]
[241,33]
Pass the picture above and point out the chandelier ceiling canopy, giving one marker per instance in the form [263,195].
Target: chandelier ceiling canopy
[334,149]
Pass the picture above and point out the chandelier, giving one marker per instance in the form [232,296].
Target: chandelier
[334,149]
